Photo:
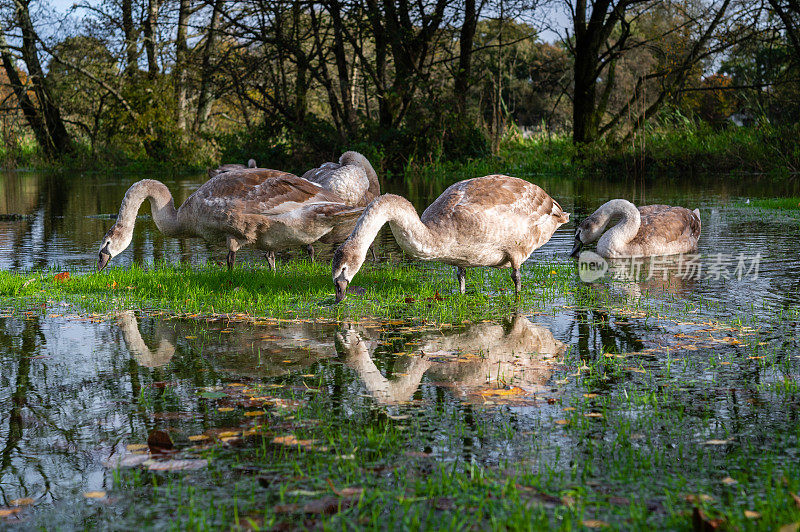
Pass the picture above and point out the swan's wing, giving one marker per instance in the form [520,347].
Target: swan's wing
[667,224]
[214,172]
[494,196]
[316,174]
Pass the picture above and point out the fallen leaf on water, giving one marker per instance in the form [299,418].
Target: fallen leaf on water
[398,417]
[750,514]
[345,492]
[702,523]
[131,460]
[228,434]
[514,390]
[729,481]
[590,395]
[225,409]
[25,501]
[569,408]
[198,437]
[595,523]
[593,414]
[94,494]
[694,499]
[159,440]
[190,337]
[63,276]
[562,422]
[178,465]
[5,512]
[136,446]
[718,442]
[291,439]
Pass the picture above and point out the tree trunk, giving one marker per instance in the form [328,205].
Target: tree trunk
[465,41]
[179,72]
[350,119]
[59,141]
[131,50]
[150,24]
[206,73]
[28,108]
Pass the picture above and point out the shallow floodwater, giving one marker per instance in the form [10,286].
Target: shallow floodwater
[77,390]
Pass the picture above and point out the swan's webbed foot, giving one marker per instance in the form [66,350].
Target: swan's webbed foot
[517,278]
[271,260]
[461,275]
[231,259]
[310,251]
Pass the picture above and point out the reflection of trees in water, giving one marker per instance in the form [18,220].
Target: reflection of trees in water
[30,338]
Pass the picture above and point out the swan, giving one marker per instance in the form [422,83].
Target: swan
[648,230]
[354,179]
[515,351]
[267,209]
[214,172]
[494,220]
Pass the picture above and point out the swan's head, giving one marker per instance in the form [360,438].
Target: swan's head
[346,263]
[588,231]
[116,240]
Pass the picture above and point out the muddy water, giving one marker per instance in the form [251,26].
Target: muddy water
[77,390]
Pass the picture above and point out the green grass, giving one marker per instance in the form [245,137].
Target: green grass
[792,203]
[299,289]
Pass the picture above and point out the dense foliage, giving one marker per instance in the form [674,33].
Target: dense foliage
[194,82]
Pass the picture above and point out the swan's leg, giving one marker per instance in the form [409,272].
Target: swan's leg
[232,245]
[271,260]
[461,274]
[374,257]
[517,278]
[310,251]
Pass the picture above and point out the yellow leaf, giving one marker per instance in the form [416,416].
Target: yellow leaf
[729,481]
[225,409]
[751,514]
[94,494]
[255,413]
[595,523]
[25,501]
[136,446]
[562,422]
[5,512]
[718,442]
[228,434]
[198,437]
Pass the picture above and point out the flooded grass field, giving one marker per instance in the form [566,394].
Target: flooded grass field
[173,394]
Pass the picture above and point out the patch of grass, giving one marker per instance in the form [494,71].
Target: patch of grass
[299,289]
[792,203]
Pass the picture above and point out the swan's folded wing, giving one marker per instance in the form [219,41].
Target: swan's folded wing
[316,174]
[667,224]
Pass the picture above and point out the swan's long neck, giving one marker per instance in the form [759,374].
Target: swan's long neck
[352,157]
[161,204]
[409,231]
[625,230]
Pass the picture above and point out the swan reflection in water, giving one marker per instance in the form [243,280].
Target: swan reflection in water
[479,357]
[243,350]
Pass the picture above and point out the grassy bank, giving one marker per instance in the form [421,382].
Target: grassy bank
[298,289]
[674,148]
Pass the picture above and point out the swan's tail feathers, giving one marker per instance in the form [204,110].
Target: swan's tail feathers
[562,217]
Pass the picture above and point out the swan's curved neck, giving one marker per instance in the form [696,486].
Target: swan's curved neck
[625,230]
[374,185]
[409,231]
[161,205]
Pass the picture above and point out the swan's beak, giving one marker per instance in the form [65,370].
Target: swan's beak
[105,256]
[341,288]
[577,248]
